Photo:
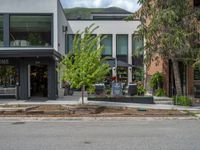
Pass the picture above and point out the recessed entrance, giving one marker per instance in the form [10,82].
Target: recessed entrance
[39,81]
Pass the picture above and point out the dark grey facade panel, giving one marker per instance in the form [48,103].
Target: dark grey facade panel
[6,30]
[22,85]
[52,81]
[23,81]
[30,53]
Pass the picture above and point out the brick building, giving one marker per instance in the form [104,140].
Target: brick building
[190,77]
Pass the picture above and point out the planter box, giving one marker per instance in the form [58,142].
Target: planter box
[61,92]
[128,99]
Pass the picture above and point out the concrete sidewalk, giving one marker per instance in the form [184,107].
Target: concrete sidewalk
[111,104]
[145,106]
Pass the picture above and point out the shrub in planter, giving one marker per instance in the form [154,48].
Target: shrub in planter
[156,81]
[140,89]
[160,92]
[108,91]
[182,101]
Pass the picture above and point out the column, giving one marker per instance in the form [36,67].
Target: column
[130,58]
[52,80]
[23,84]
[114,53]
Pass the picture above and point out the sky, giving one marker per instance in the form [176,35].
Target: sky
[130,5]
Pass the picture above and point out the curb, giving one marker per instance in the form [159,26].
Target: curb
[78,119]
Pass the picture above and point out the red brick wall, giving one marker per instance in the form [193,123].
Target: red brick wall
[162,67]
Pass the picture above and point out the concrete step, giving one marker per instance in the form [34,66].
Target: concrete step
[163,100]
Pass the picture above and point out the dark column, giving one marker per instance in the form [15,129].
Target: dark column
[23,87]
[6,28]
[52,80]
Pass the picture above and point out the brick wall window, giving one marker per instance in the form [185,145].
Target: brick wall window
[196,3]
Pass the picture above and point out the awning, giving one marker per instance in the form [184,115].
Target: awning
[119,63]
[29,53]
[111,61]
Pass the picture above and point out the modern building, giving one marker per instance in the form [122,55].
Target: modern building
[34,36]
[119,43]
[32,40]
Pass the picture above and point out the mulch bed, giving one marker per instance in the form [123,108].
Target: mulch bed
[89,111]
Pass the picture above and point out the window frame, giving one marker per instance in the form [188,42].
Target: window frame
[111,43]
[133,35]
[67,42]
[16,76]
[117,46]
[33,14]
[196,3]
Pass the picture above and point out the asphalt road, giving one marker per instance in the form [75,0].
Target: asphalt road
[101,135]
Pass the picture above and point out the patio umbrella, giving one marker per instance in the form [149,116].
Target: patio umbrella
[119,63]
[111,61]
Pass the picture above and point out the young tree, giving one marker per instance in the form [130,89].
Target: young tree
[169,27]
[84,66]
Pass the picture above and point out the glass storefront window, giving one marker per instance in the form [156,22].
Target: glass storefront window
[107,43]
[30,30]
[1,31]
[122,74]
[138,45]
[70,41]
[91,37]
[7,76]
[122,44]
[138,74]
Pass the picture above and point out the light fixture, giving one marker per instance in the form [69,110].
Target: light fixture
[65,29]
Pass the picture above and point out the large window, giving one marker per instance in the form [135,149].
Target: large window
[196,3]
[122,44]
[30,30]
[107,43]
[1,31]
[137,45]
[90,39]
[70,40]
[197,73]
[7,76]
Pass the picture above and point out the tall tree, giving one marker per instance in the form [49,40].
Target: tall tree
[170,29]
[84,66]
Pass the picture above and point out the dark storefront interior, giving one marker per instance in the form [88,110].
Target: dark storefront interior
[39,81]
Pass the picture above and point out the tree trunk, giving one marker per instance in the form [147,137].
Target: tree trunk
[83,90]
[177,77]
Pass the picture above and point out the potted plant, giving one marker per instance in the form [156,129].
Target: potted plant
[140,89]
[156,81]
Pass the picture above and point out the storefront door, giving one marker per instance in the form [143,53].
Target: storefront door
[38,81]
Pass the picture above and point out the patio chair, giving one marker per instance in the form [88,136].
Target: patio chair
[132,89]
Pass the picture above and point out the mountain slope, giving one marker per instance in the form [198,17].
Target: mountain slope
[85,13]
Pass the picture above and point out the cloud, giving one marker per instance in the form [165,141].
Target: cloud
[130,5]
